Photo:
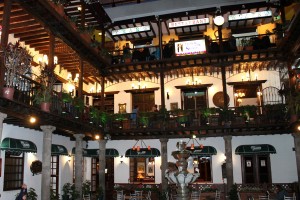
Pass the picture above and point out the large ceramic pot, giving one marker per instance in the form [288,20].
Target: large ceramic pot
[8,93]
[45,106]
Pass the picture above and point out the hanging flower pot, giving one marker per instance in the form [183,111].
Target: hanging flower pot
[45,106]
[8,93]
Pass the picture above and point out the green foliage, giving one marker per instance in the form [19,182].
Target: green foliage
[206,112]
[86,187]
[53,195]
[78,103]
[31,194]
[208,189]
[66,97]
[69,191]
[293,103]
[233,193]
[100,193]
[247,111]
[17,62]
[47,79]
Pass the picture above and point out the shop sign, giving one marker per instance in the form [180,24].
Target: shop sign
[252,15]
[130,30]
[191,22]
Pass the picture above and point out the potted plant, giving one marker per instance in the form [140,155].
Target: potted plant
[100,193]
[69,192]
[293,105]
[43,95]
[17,62]
[247,44]
[78,104]
[31,194]
[86,189]
[53,195]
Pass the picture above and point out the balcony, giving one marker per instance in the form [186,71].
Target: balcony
[208,122]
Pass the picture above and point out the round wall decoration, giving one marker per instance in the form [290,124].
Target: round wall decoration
[36,167]
[218,99]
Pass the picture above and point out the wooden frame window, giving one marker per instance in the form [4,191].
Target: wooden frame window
[55,173]
[13,172]
[142,170]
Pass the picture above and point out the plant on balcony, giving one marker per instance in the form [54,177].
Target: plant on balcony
[53,195]
[293,105]
[17,62]
[43,95]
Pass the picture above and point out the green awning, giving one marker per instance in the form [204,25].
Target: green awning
[17,146]
[59,150]
[255,149]
[143,153]
[205,151]
[95,152]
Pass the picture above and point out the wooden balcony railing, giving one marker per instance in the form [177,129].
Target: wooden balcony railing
[207,118]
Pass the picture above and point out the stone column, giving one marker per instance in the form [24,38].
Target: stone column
[2,117]
[229,166]
[297,153]
[102,165]
[164,163]
[78,163]
[46,169]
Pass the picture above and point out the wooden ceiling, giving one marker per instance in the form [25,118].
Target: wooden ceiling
[32,27]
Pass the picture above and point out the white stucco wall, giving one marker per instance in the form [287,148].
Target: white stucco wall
[281,173]
[272,78]
[66,167]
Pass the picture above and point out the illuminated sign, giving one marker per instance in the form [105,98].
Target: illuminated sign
[131,30]
[191,47]
[191,22]
[267,13]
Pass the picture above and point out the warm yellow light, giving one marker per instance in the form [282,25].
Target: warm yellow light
[298,128]
[79,8]
[32,119]
[194,136]
[97,137]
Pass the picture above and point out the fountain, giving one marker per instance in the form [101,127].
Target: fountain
[181,177]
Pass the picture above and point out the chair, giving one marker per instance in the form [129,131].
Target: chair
[137,195]
[148,196]
[195,195]
[218,195]
[120,195]
[263,197]
[290,198]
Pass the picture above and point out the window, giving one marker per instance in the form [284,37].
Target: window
[13,171]
[256,169]
[55,173]
[142,170]
[202,165]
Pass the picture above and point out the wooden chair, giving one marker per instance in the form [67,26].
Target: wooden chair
[263,197]
[195,195]
[218,195]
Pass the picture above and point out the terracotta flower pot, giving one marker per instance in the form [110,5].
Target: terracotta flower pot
[8,93]
[45,106]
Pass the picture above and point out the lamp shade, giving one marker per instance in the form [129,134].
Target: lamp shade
[219,20]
